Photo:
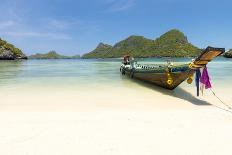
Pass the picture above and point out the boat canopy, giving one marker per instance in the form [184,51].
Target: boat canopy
[207,55]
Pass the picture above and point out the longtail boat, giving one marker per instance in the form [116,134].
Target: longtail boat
[168,76]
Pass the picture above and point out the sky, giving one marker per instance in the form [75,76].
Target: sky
[77,26]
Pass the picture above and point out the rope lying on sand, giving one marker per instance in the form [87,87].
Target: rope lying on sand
[220,99]
[225,109]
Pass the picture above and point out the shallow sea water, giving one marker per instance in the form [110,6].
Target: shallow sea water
[94,73]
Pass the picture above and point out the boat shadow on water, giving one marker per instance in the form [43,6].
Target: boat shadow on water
[178,92]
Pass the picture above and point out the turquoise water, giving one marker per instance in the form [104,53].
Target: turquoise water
[90,73]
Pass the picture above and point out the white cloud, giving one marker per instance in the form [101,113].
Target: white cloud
[110,1]
[11,28]
[119,5]
[37,34]
[6,24]
[60,24]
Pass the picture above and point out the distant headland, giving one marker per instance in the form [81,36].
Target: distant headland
[52,55]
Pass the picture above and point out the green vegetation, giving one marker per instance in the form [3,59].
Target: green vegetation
[228,54]
[52,55]
[171,44]
[100,52]
[74,57]
[136,46]
[10,52]
[175,44]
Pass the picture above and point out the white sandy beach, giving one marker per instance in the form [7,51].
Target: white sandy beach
[113,121]
[73,77]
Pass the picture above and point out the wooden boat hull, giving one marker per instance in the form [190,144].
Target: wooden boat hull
[169,76]
[160,78]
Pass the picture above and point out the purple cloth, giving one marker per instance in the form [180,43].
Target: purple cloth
[205,78]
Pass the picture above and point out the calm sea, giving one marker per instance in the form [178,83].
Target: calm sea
[76,74]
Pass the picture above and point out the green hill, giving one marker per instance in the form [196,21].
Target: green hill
[228,54]
[10,52]
[175,44]
[171,44]
[100,52]
[52,55]
[135,46]
[74,57]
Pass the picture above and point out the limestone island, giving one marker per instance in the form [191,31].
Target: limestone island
[10,52]
[171,44]
[228,54]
